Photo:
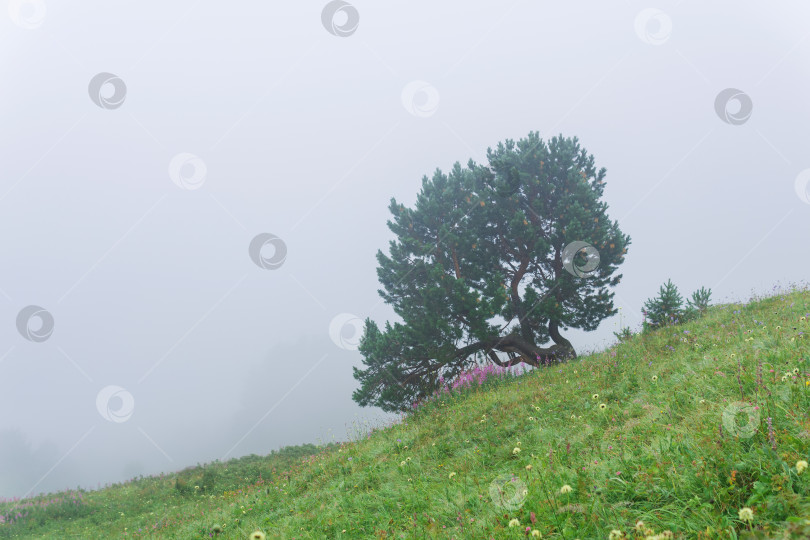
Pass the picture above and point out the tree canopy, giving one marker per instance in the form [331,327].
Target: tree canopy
[491,262]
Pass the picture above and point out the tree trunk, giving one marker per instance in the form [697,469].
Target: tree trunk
[554,332]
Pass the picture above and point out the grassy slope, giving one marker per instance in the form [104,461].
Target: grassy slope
[656,453]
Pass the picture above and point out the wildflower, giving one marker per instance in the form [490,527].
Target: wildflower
[451,475]
[401,463]
[746,514]
[515,451]
[566,489]
[801,466]
[602,406]
[573,417]
[536,534]
[796,371]
[702,401]
[595,396]
[639,525]
[784,378]
[615,534]
[256,535]
[531,419]
[514,522]
[654,378]
[536,408]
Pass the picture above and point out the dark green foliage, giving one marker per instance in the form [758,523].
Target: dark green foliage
[667,308]
[624,334]
[698,304]
[477,270]
[664,309]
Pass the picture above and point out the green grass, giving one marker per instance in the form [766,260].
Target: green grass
[671,448]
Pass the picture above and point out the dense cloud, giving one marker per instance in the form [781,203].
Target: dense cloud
[145,146]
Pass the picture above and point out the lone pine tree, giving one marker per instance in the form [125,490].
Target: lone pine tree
[483,269]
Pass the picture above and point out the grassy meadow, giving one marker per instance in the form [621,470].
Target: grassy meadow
[681,428]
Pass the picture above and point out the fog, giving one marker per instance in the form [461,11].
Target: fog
[145,145]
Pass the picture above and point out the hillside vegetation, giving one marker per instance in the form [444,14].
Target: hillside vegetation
[680,428]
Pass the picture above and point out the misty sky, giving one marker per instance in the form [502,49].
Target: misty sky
[129,201]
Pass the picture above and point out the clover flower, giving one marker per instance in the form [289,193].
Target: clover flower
[615,534]
[801,466]
[536,534]
[746,514]
[566,489]
[515,451]
[514,522]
